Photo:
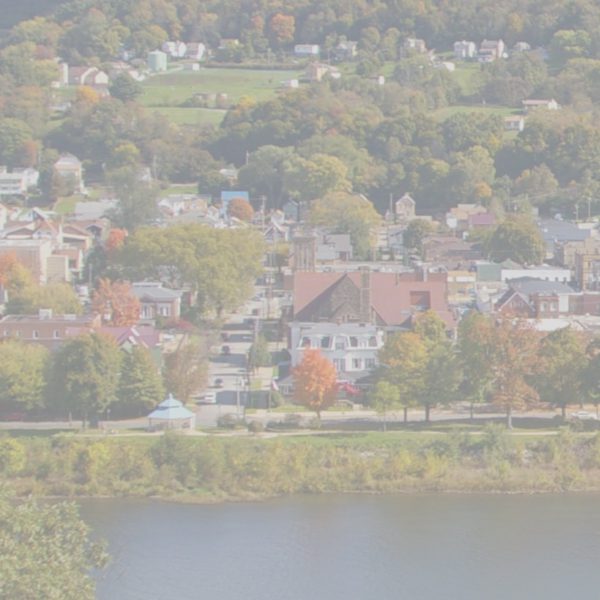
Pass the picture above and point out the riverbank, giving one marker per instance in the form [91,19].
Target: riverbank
[214,469]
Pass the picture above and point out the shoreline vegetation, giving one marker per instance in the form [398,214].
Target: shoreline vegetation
[211,469]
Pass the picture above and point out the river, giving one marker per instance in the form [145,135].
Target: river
[413,547]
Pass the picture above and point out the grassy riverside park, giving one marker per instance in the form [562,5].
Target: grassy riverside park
[213,468]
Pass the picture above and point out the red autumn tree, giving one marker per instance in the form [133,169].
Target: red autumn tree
[116,302]
[241,209]
[315,381]
[115,240]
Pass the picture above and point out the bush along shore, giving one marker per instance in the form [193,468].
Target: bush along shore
[212,469]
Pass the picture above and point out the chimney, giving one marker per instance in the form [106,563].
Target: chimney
[364,315]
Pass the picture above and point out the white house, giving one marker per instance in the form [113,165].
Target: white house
[17,182]
[301,50]
[547,104]
[514,123]
[464,50]
[175,49]
[543,272]
[352,347]
[195,50]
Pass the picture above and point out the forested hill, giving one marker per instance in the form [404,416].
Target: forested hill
[438,22]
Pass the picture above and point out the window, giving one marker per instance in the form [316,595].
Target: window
[325,341]
[369,363]
[340,364]
[305,342]
[56,334]
[164,311]
[373,342]
[357,364]
[420,300]
[146,311]
[35,334]
[340,343]
[353,342]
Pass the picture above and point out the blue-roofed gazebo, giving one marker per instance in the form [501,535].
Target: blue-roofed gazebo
[171,414]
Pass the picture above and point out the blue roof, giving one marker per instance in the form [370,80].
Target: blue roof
[170,409]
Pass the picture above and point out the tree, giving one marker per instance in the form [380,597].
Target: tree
[259,355]
[352,214]
[125,88]
[404,359]
[46,551]
[591,375]
[517,239]
[84,376]
[282,29]
[413,235]
[315,381]
[385,397]
[514,363]
[115,240]
[310,179]
[22,375]
[14,134]
[240,209]
[440,378]
[116,302]
[475,353]
[137,198]
[141,386]
[186,370]
[562,364]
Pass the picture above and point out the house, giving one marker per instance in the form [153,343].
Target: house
[333,248]
[510,271]
[528,297]
[89,76]
[457,218]
[415,45]
[363,296]
[351,347]
[157,61]
[521,47]
[557,232]
[345,50]
[46,328]
[157,301]
[514,123]
[450,252]
[462,287]
[404,209]
[69,168]
[17,182]
[31,253]
[587,265]
[175,49]
[484,220]
[307,50]
[94,209]
[491,50]
[534,104]
[464,50]
[195,51]
[316,71]
[290,84]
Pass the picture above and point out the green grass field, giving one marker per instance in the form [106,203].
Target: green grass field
[443,113]
[167,92]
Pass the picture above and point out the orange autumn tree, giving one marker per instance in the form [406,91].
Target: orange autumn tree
[8,263]
[241,209]
[115,240]
[315,381]
[116,302]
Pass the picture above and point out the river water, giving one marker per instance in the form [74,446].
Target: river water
[413,547]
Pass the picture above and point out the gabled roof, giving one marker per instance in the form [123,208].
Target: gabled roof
[532,285]
[389,292]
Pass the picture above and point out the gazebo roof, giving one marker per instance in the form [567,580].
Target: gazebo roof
[170,409]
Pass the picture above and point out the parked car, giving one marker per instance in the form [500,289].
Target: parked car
[207,398]
[583,415]
[218,382]
[225,350]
